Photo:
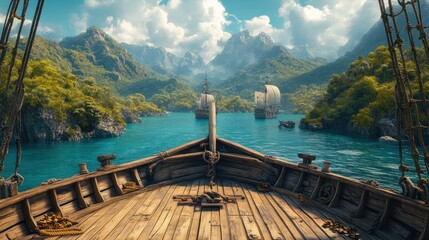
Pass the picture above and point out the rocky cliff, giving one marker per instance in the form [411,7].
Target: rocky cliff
[41,125]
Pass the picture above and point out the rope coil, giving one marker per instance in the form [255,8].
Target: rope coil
[52,224]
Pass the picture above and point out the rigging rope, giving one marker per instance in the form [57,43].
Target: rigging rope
[10,109]
[412,104]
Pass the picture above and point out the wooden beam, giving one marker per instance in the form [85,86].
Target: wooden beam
[337,196]
[54,201]
[299,183]
[281,177]
[385,217]
[96,189]
[137,178]
[425,233]
[80,199]
[316,190]
[212,127]
[362,203]
[115,182]
[29,219]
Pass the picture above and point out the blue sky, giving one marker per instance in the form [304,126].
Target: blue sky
[203,26]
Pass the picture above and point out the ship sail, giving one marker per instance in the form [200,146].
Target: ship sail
[269,98]
[205,100]
[272,96]
[267,103]
[259,99]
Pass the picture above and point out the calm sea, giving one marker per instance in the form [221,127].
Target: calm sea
[354,157]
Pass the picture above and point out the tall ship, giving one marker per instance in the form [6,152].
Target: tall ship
[203,102]
[267,103]
[214,188]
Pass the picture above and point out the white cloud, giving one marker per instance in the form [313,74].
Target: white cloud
[322,26]
[96,3]
[178,26]
[79,21]
[326,25]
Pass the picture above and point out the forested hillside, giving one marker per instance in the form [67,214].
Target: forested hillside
[358,99]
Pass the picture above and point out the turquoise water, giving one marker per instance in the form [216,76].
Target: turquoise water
[353,157]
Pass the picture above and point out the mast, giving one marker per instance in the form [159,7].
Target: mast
[266,91]
[206,91]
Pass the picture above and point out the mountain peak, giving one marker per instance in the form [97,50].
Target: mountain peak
[243,50]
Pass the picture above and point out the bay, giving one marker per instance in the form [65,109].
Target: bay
[350,156]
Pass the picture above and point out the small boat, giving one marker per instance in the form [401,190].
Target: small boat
[286,124]
[203,102]
[267,103]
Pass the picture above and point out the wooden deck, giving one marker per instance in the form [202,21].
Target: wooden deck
[153,214]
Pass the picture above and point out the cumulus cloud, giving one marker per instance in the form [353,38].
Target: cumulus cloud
[178,25]
[325,25]
[321,26]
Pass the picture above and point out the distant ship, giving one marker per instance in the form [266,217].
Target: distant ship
[203,102]
[267,102]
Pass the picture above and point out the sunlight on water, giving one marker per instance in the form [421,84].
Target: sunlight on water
[353,157]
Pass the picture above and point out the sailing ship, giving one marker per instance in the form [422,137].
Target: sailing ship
[212,188]
[203,102]
[267,103]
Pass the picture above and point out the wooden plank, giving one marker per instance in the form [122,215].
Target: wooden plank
[316,190]
[172,225]
[274,216]
[259,221]
[243,204]
[267,214]
[40,204]
[281,178]
[232,209]
[29,219]
[10,216]
[337,196]
[237,229]
[190,170]
[251,227]
[132,226]
[204,231]
[161,225]
[136,177]
[195,225]
[154,216]
[296,206]
[284,217]
[360,209]
[141,218]
[315,219]
[299,183]
[292,212]
[116,217]
[116,184]
[54,202]
[425,232]
[223,214]
[79,196]
[385,217]
[96,189]
[102,217]
[185,220]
